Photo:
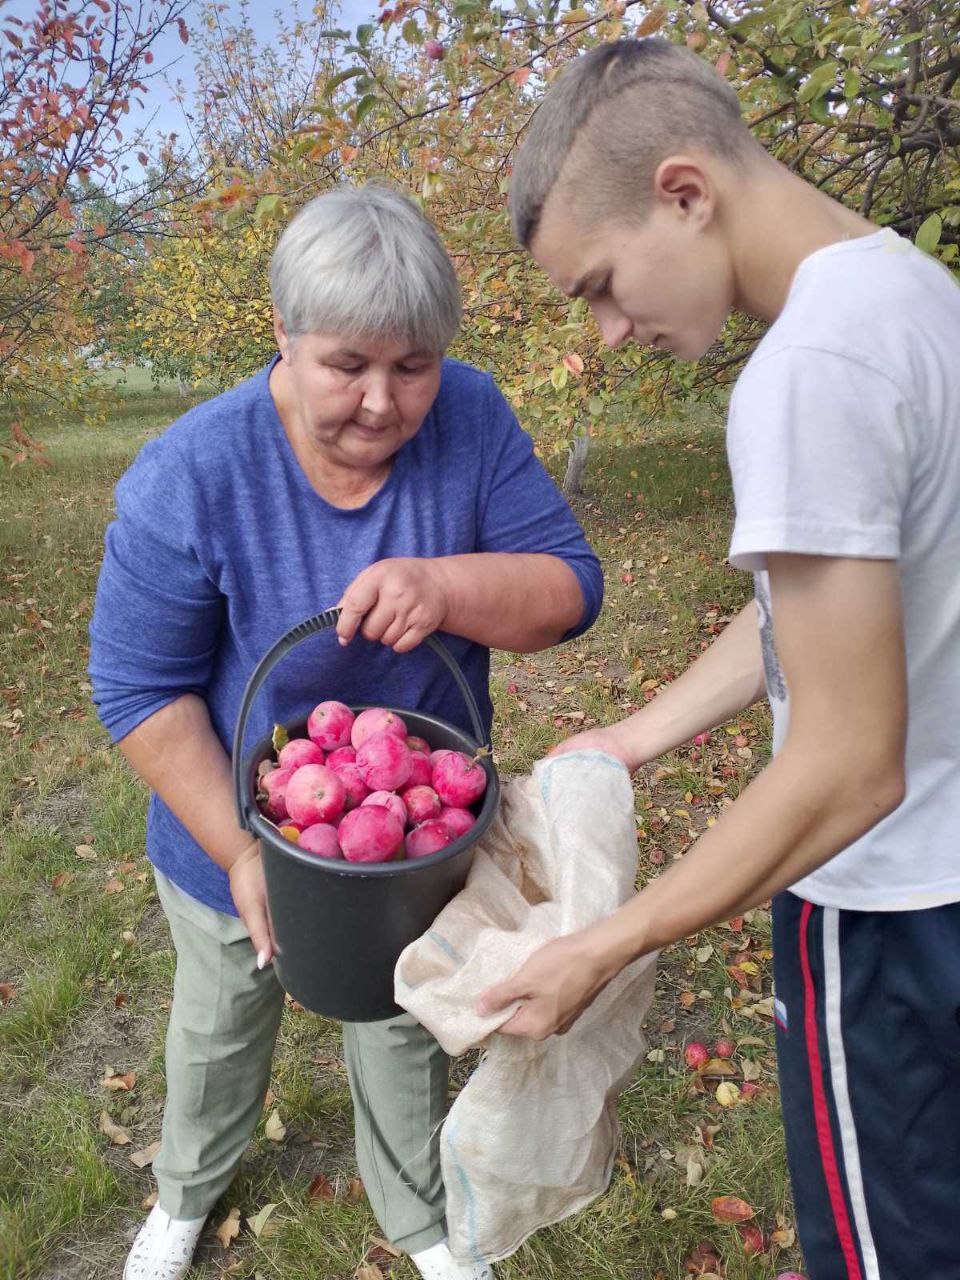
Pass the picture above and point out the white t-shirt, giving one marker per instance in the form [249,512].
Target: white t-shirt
[844,440]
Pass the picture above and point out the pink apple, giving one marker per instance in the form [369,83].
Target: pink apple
[274,786]
[437,756]
[434,50]
[458,820]
[329,725]
[299,751]
[320,839]
[370,833]
[384,761]
[315,794]
[389,800]
[695,1055]
[421,775]
[357,790]
[376,720]
[342,755]
[418,744]
[458,780]
[724,1049]
[428,838]
[422,803]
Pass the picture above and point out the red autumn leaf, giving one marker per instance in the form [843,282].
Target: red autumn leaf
[704,1259]
[7,992]
[521,76]
[184,33]
[731,1209]
[321,1188]
[723,62]
[574,363]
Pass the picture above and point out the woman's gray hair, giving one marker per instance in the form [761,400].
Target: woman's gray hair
[364,262]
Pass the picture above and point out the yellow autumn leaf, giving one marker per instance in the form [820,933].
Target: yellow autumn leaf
[229,1229]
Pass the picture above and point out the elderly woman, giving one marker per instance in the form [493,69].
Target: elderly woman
[362,468]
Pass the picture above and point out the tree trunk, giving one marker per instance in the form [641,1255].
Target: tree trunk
[576,465]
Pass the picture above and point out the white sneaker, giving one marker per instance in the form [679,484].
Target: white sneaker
[164,1247]
[438,1263]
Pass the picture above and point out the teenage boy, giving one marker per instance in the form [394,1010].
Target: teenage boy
[640,189]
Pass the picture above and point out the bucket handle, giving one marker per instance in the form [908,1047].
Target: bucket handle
[310,626]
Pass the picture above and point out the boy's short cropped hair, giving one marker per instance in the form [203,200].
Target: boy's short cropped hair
[611,117]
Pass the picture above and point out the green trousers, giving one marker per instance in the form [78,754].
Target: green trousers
[220,1043]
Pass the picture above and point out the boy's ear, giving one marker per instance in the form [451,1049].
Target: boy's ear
[684,184]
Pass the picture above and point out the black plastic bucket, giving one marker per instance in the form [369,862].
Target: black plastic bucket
[340,926]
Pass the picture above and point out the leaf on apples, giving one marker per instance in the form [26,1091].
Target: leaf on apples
[280,737]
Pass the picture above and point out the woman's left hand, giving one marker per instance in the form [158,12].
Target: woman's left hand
[398,602]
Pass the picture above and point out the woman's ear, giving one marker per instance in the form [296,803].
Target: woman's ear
[284,343]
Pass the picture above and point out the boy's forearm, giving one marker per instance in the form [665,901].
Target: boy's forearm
[515,601]
[179,756]
[801,811]
[723,681]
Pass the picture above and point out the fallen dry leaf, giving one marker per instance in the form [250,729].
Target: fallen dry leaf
[126,867]
[783,1236]
[321,1188]
[377,1242]
[275,1129]
[119,1000]
[229,1228]
[62,878]
[119,1137]
[703,1260]
[258,1223]
[367,1271]
[269,1099]
[731,1209]
[717,1069]
[114,885]
[86,852]
[7,992]
[112,1080]
[128,936]
[149,1201]
[142,1158]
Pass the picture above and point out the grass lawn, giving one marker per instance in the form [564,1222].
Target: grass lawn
[86,961]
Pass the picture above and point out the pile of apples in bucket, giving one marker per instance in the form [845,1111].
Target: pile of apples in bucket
[361,788]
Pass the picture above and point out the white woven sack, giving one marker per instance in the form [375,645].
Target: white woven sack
[532,1136]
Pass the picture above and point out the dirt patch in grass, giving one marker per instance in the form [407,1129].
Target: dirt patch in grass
[66,808]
